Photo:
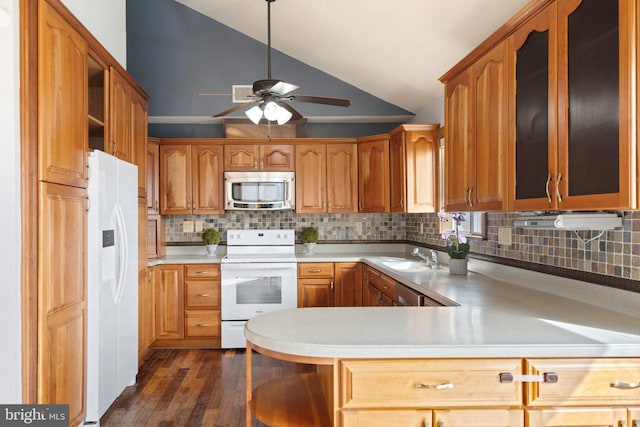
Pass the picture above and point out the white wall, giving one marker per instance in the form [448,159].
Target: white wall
[433,113]
[107,21]
[10,355]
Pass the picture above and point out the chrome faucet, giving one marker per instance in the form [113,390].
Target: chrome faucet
[432,261]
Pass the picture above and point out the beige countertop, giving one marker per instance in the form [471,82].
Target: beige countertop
[494,311]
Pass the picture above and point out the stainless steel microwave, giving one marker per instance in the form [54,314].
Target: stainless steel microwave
[259,190]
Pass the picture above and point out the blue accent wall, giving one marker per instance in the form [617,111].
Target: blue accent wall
[174,51]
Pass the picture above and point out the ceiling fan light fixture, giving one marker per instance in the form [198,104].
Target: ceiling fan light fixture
[254,113]
[271,111]
[284,116]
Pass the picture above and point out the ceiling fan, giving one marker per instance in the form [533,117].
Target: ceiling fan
[272,95]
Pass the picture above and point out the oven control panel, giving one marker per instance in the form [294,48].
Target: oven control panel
[261,237]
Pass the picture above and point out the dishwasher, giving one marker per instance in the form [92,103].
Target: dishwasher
[408,297]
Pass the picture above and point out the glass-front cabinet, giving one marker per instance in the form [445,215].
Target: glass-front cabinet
[572,94]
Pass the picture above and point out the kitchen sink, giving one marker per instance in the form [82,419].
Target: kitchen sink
[408,266]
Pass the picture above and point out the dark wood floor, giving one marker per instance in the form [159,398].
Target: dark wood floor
[194,387]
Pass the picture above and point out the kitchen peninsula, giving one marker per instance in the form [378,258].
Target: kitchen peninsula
[509,348]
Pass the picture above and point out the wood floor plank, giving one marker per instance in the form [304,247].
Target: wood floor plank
[191,388]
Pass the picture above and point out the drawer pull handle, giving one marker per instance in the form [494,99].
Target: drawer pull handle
[547,377]
[443,386]
[202,272]
[203,295]
[314,271]
[625,386]
[203,325]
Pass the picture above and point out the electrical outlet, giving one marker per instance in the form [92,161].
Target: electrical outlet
[421,228]
[199,226]
[504,236]
[359,227]
[187,226]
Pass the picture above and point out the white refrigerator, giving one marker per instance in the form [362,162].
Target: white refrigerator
[112,295]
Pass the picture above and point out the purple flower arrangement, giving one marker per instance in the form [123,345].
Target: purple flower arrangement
[457,245]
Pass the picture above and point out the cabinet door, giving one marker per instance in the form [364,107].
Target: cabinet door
[139,140]
[488,157]
[386,418]
[276,158]
[62,101]
[397,173]
[479,418]
[146,326]
[311,178]
[169,301]
[532,93]
[153,177]
[595,104]
[348,284]
[241,157]
[316,293]
[62,297]
[155,236]
[206,179]
[342,178]
[175,180]
[421,148]
[577,417]
[120,98]
[373,176]
[458,116]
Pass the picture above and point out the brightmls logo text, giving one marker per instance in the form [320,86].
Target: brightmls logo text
[34,415]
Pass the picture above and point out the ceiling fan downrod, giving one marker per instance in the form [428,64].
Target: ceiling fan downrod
[269,38]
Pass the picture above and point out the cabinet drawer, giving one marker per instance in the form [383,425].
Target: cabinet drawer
[315,269]
[388,286]
[583,382]
[428,383]
[202,323]
[386,418]
[202,294]
[202,271]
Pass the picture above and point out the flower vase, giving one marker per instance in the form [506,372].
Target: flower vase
[458,266]
[308,247]
[211,250]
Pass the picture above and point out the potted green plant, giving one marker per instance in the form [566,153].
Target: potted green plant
[309,238]
[211,238]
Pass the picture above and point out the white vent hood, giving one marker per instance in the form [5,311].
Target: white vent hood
[569,221]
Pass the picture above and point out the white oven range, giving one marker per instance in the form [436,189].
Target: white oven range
[259,274]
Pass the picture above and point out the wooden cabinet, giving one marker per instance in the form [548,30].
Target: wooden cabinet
[120,110]
[373,174]
[413,173]
[191,179]
[187,305]
[385,418]
[316,285]
[138,138]
[258,157]
[156,247]
[577,417]
[62,101]
[348,284]
[168,282]
[476,113]
[62,298]
[202,301]
[326,178]
[574,108]
[146,313]
[153,176]
[376,288]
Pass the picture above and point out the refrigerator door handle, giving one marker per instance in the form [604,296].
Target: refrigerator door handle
[122,254]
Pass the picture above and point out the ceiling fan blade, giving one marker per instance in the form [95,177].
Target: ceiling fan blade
[296,115]
[235,108]
[271,86]
[338,102]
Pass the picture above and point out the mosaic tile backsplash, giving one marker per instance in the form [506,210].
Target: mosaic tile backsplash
[616,253]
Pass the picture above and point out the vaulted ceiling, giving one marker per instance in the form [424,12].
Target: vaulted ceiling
[395,49]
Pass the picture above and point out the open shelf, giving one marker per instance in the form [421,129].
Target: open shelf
[294,400]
